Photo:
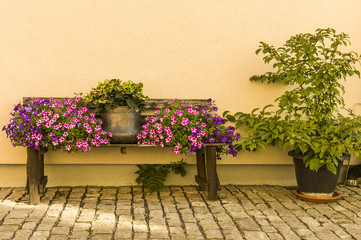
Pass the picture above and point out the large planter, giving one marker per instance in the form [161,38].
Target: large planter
[320,184]
[123,122]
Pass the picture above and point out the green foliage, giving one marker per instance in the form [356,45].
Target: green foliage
[113,93]
[308,120]
[153,176]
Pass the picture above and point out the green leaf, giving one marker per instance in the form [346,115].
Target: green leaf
[331,167]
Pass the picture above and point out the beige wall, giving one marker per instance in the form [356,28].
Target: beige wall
[182,49]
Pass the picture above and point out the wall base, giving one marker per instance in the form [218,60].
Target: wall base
[123,175]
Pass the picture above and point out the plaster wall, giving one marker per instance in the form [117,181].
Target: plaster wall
[178,49]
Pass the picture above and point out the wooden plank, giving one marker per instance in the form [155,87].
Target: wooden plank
[42,184]
[154,103]
[163,103]
[33,169]
[201,177]
[211,172]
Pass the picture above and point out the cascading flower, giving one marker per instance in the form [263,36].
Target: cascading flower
[54,124]
[188,128]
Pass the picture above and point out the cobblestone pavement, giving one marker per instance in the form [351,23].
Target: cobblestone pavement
[241,212]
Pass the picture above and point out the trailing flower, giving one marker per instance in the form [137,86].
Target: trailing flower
[188,128]
[55,124]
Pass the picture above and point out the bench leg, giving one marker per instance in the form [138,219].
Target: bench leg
[201,178]
[35,175]
[212,179]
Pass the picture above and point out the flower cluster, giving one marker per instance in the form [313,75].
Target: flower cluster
[55,124]
[188,128]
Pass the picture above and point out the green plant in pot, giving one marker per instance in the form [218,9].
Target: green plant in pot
[120,104]
[309,120]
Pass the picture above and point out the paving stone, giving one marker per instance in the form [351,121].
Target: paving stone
[242,212]
[247,224]
[60,231]
[252,235]
[40,235]
[58,237]
[102,237]
[6,235]
[8,228]
[23,234]
[79,235]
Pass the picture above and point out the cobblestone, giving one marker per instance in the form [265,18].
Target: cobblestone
[241,212]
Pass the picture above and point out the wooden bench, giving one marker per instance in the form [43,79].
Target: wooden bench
[206,178]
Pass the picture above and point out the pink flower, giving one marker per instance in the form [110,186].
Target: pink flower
[92,115]
[61,139]
[67,147]
[94,141]
[176,150]
[65,134]
[185,121]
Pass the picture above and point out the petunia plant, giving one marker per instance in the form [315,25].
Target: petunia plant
[187,128]
[55,124]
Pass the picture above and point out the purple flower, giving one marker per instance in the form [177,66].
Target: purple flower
[217,132]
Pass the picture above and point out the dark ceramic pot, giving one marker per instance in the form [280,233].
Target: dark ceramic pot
[320,184]
[124,123]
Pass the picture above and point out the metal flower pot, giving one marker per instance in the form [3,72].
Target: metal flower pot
[123,122]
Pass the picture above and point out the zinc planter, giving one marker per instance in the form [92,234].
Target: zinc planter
[123,122]
[320,184]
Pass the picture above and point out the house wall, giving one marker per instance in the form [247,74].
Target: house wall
[178,49]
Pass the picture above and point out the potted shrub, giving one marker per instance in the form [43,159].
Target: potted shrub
[52,124]
[120,104]
[310,120]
